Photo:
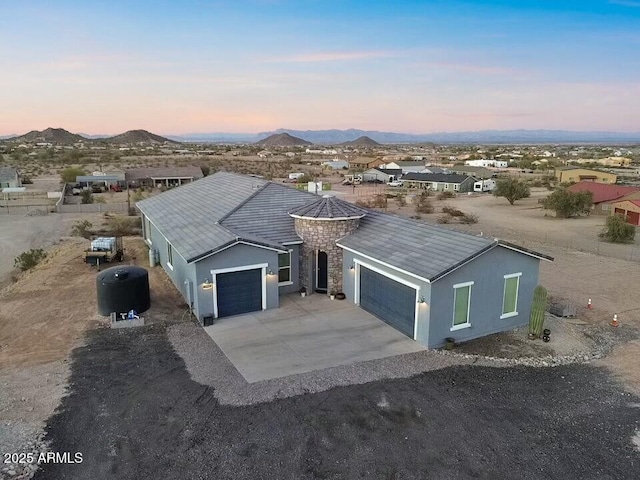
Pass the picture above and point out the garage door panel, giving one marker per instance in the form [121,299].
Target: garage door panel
[239,292]
[390,301]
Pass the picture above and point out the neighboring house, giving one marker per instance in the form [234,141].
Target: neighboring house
[102,178]
[10,178]
[167,176]
[578,174]
[365,162]
[385,175]
[487,163]
[406,166]
[604,194]
[441,182]
[434,170]
[336,164]
[629,209]
[233,244]
[481,173]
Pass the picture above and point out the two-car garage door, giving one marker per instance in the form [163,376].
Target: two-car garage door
[389,300]
[239,292]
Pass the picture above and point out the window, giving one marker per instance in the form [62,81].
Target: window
[461,305]
[510,297]
[169,256]
[284,268]
[146,229]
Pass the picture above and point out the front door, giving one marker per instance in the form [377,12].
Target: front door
[321,271]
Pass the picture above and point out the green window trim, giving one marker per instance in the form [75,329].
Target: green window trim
[510,295]
[461,305]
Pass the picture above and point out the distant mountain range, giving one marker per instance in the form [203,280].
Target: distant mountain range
[337,137]
[64,137]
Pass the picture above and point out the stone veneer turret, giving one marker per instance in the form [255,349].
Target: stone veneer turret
[320,225]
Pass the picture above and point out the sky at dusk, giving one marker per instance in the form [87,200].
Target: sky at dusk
[249,66]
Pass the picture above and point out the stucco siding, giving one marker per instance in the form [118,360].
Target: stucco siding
[349,282]
[239,255]
[182,273]
[487,274]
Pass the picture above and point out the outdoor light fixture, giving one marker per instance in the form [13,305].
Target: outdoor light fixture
[422,300]
[270,272]
[207,285]
[352,267]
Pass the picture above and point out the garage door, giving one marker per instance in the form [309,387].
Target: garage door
[239,292]
[633,218]
[390,301]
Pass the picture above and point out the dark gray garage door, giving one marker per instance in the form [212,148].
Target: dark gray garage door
[239,292]
[390,301]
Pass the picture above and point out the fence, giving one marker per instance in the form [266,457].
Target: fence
[29,210]
[94,208]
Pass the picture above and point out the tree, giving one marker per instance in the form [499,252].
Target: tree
[512,189]
[568,204]
[86,197]
[618,230]
[68,175]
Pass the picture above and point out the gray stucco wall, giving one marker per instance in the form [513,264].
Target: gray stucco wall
[237,256]
[182,273]
[295,271]
[487,272]
[422,335]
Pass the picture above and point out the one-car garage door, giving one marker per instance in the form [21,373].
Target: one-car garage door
[239,292]
[390,301]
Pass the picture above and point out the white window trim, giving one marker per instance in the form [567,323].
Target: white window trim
[467,324]
[290,281]
[169,260]
[146,229]
[504,292]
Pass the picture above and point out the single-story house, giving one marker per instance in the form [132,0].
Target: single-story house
[365,162]
[441,182]
[481,173]
[629,209]
[603,194]
[385,175]
[336,164]
[406,166]
[579,174]
[104,179]
[233,244]
[487,163]
[9,177]
[435,170]
[159,176]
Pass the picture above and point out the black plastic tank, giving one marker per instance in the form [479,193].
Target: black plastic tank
[122,289]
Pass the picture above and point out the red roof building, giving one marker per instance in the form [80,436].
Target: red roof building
[605,193]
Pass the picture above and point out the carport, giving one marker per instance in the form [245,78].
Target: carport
[305,334]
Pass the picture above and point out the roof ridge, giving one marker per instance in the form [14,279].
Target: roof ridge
[237,207]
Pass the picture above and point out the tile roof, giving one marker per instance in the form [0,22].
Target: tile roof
[409,163]
[265,214]
[602,192]
[435,177]
[188,215]
[328,207]
[422,249]
[389,171]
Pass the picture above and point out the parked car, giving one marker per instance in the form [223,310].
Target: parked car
[96,189]
[116,188]
[395,183]
[76,191]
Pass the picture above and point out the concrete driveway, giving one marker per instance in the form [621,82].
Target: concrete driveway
[305,334]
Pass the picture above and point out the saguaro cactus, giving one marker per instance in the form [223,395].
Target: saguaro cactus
[538,307]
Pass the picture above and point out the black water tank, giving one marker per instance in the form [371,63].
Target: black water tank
[123,288]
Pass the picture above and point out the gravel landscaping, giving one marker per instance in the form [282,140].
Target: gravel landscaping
[134,411]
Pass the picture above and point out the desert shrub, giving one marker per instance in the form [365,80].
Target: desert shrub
[401,199]
[454,212]
[379,201]
[512,189]
[618,230]
[568,204]
[443,219]
[138,195]
[28,260]
[468,218]
[82,228]
[423,203]
[69,175]
[100,200]
[362,203]
[445,195]
[86,197]
[121,225]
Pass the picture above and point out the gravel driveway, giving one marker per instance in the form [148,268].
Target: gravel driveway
[134,412]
